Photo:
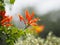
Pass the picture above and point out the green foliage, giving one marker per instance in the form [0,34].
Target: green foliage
[12,1]
[2,1]
[10,35]
[2,5]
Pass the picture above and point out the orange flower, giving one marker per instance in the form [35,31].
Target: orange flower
[32,15]
[6,21]
[30,20]
[21,18]
[34,20]
[39,29]
[33,24]
[28,16]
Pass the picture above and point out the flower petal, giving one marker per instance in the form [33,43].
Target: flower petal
[28,16]
[8,19]
[33,24]
[21,18]
[32,15]
[34,20]
[40,28]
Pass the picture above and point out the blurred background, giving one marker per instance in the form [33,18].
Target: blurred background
[47,10]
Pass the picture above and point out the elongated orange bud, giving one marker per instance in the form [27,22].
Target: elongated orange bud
[21,18]
[8,19]
[33,24]
[34,20]
[4,20]
[32,15]
[28,16]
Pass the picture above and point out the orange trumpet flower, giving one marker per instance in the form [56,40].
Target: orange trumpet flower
[34,20]
[39,29]
[21,18]
[33,24]
[30,20]
[28,16]
[6,21]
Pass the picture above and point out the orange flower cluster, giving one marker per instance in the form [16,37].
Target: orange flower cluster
[5,20]
[32,21]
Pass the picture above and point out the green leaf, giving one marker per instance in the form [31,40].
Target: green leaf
[11,43]
[7,41]
[12,1]
[14,30]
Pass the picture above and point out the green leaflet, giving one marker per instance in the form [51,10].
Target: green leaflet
[12,1]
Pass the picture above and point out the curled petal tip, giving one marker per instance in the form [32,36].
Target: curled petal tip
[33,24]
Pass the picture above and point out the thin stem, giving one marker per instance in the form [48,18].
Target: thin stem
[26,26]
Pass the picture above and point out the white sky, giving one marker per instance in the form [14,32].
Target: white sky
[41,6]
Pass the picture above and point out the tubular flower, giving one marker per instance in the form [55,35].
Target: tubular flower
[39,29]
[33,24]
[28,16]
[6,21]
[22,18]
[30,20]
